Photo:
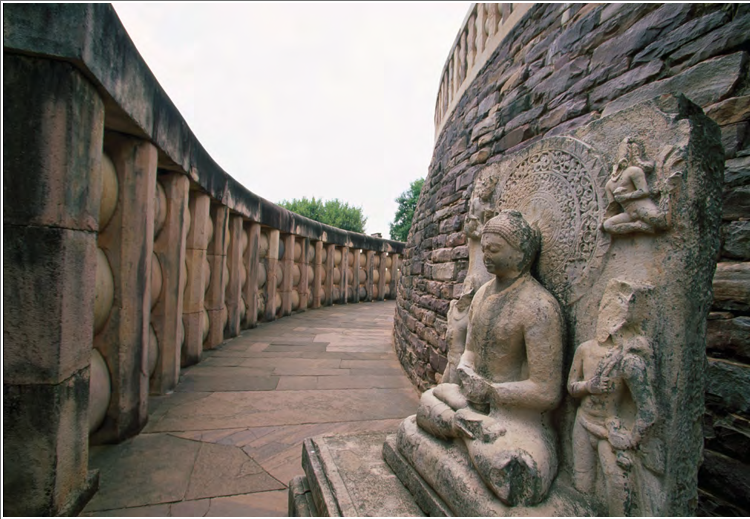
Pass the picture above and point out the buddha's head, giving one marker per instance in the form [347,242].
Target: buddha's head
[509,244]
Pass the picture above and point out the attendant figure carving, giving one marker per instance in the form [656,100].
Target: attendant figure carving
[455,335]
[480,211]
[630,206]
[610,375]
[510,374]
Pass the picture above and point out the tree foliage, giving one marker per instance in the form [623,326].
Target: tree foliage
[331,212]
[407,202]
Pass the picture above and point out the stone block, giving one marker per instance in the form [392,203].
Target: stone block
[562,113]
[728,434]
[729,338]
[444,271]
[52,147]
[728,37]
[736,240]
[45,446]
[728,386]
[513,138]
[561,79]
[726,477]
[479,157]
[626,82]
[455,239]
[461,252]
[737,172]
[640,34]
[733,138]
[48,303]
[513,104]
[730,111]
[732,286]
[441,255]
[704,84]
[680,36]
[736,203]
[486,125]
[487,103]
[538,76]
[451,224]
[530,116]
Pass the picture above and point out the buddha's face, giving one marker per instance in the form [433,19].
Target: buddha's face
[500,257]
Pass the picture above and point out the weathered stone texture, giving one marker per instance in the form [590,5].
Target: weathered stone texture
[551,75]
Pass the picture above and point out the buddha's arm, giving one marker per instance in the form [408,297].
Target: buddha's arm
[542,390]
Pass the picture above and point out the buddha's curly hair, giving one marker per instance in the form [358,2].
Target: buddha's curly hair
[514,229]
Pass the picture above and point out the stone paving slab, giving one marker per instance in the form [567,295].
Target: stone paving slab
[229,439]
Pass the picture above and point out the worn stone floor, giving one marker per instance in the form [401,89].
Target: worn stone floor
[227,441]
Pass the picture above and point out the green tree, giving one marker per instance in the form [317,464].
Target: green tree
[407,202]
[331,212]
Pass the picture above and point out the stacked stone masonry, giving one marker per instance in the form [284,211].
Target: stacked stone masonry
[128,251]
[556,68]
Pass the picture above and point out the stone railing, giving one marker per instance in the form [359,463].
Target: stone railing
[484,28]
[128,250]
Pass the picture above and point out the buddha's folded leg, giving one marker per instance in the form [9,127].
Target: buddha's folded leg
[518,469]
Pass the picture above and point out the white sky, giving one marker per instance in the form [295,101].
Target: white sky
[331,100]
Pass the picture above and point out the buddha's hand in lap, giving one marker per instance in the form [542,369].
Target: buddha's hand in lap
[451,395]
[473,386]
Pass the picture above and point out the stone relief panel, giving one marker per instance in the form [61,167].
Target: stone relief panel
[623,221]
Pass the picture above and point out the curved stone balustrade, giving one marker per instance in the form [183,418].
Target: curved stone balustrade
[483,29]
[129,251]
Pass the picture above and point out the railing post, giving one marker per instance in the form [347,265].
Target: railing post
[272,275]
[395,260]
[345,282]
[330,265]
[287,264]
[304,276]
[233,292]
[381,278]
[128,244]
[318,275]
[52,151]
[252,262]
[217,255]
[194,315]
[166,315]
[355,278]
[369,268]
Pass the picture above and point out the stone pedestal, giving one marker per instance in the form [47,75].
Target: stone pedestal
[345,476]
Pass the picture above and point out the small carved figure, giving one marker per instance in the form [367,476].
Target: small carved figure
[630,207]
[480,208]
[455,335]
[480,211]
[510,374]
[610,375]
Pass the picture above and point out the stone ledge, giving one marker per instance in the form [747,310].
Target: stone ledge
[346,476]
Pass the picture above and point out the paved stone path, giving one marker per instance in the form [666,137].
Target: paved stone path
[229,439]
